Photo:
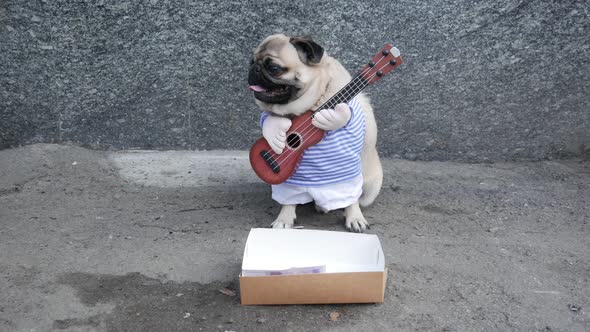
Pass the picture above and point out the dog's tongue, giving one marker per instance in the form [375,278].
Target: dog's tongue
[256,88]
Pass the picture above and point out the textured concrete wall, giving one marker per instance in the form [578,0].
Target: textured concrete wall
[482,81]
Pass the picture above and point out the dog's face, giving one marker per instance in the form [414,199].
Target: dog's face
[286,71]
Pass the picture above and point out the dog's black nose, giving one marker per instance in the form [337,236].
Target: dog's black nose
[255,74]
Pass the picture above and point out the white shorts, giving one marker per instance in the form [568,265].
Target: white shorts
[328,197]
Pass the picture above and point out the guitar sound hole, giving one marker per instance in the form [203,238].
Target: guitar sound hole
[294,140]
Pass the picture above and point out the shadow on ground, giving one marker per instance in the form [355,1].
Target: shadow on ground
[149,304]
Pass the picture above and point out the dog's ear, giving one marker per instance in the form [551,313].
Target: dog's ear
[309,51]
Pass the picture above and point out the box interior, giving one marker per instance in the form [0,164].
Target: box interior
[295,251]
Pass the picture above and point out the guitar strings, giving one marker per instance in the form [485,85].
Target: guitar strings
[309,124]
[355,84]
[347,95]
[310,128]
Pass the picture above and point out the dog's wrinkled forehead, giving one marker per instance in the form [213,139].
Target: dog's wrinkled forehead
[277,47]
[287,49]
[271,47]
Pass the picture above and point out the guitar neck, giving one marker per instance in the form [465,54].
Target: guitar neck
[349,91]
[382,63]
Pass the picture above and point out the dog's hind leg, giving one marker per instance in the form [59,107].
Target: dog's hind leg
[371,165]
[372,176]
[354,219]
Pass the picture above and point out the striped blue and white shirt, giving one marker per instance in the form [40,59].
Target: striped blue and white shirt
[337,157]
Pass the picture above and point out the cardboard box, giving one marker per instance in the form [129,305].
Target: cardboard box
[292,266]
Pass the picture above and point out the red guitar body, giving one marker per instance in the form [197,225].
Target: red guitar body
[276,168]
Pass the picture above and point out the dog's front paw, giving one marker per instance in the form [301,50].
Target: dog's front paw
[286,218]
[283,223]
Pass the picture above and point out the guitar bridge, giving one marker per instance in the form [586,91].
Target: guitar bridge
[270,161]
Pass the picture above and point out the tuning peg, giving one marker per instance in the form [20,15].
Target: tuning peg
[395,52]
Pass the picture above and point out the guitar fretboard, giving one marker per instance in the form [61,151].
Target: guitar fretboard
[349,91]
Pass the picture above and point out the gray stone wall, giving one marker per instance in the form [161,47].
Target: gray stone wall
[488,80]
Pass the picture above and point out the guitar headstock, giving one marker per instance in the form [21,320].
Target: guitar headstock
[382,63]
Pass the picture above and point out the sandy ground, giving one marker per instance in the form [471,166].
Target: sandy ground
[86,246]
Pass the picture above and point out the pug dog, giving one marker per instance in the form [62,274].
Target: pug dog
[290,76]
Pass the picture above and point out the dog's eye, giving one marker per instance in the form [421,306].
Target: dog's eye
[274,69]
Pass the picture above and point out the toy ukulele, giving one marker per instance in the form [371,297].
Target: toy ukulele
[276,168]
